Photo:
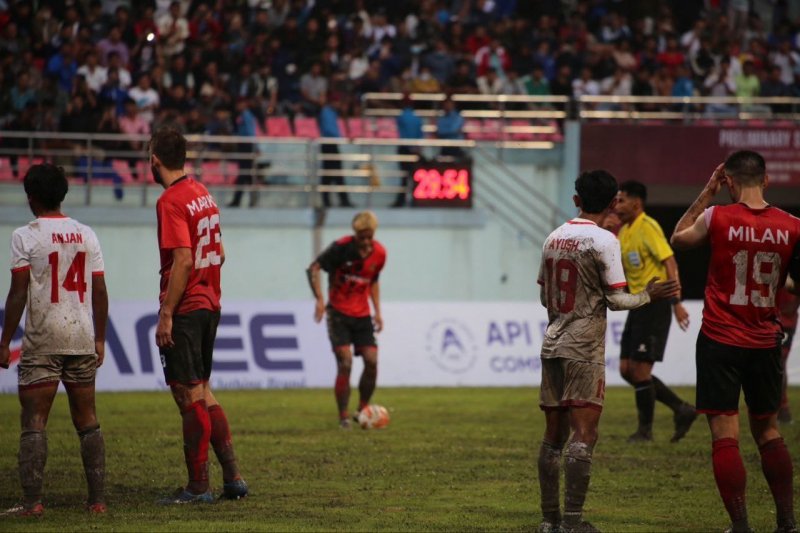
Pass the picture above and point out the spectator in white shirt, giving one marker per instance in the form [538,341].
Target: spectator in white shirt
[585,85]
[94,73]
[173,30]
[146,98]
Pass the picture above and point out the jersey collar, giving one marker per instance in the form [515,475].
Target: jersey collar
[581,221]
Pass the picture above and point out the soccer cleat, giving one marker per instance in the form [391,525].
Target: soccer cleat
[183,496]
[549,527]
[96,508]
[29,511]
[234,490]
[344,423]
[790,527]
[580,527]
[684,418]
[641,435]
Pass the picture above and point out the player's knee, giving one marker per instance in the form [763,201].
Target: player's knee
[579,451]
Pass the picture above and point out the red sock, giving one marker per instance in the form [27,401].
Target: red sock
[777,467]
[196,436]
[342,391]
[222,443]
[731,478]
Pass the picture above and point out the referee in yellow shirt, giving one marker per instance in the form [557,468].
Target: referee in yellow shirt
[646,254]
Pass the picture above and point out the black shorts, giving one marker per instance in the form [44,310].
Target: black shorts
[723,370]
[189,360]
[646,330]
[344,330]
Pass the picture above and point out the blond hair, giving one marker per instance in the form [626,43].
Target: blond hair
[365,220]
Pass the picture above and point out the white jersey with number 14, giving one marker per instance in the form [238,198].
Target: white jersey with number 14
[62,256]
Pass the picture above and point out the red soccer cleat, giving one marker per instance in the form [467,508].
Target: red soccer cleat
[96,508]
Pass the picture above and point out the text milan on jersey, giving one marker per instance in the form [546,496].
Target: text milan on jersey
[748,234]
[67,238]
[200,203]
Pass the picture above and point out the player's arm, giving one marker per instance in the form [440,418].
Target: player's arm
[312,273]
[680,312]
[619,300]
[375,296]
[15,306]
[182,264]
[221,254]
[691,230]
[99,315]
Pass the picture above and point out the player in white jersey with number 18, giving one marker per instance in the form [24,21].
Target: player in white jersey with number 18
[581,276]
[57,271]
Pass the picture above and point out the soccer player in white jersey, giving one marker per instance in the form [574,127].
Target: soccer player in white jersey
[57,271]
[580,276]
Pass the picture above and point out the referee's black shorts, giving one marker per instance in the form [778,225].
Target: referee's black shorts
[646,330]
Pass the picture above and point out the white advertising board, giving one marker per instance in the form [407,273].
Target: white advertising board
[278,345]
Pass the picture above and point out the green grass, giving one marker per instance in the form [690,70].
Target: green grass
[451,460]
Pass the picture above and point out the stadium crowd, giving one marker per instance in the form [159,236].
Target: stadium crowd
[129,66]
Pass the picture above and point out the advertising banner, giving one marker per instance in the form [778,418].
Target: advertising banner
[687,155]
[278,345]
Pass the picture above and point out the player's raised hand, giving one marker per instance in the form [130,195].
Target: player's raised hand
[5,356]
[717,179]
[100,350]
[681,315]
[663,290]
[319,311]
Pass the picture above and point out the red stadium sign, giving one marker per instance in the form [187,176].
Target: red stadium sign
[686,155]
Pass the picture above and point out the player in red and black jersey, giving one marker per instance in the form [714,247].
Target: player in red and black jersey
[190,244]
[353,264]
[753,246]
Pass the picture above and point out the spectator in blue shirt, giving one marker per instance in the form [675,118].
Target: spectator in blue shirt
[450,126]
[64,67]
[331,165]
[409,126]
[245,124]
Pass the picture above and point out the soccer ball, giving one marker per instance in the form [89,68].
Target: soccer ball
[373,417]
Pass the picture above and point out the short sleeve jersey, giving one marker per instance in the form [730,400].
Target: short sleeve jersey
[188,217]
[644,249]
[350,277]
[580,262]
[63,256]
[750,253]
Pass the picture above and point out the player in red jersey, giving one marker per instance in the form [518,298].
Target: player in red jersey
[57,272]
[353,264]
[738,347]
[788,304]
[190,245]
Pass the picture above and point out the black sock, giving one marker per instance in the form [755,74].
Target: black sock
[645,403]
[665,395]
[32,458]
[93,454]
[549,474]
[577,471]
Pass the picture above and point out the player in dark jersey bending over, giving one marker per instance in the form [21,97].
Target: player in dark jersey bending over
[738,347]
[353,264]
[581,275]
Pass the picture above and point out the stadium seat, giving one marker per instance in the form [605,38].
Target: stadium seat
[218,172]
[343,128]
[278,127]
[306,128]
[520,135]
[358,128]
[473,129]
[492,129]
[386,128]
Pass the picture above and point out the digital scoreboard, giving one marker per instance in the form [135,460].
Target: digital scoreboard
[442,185]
